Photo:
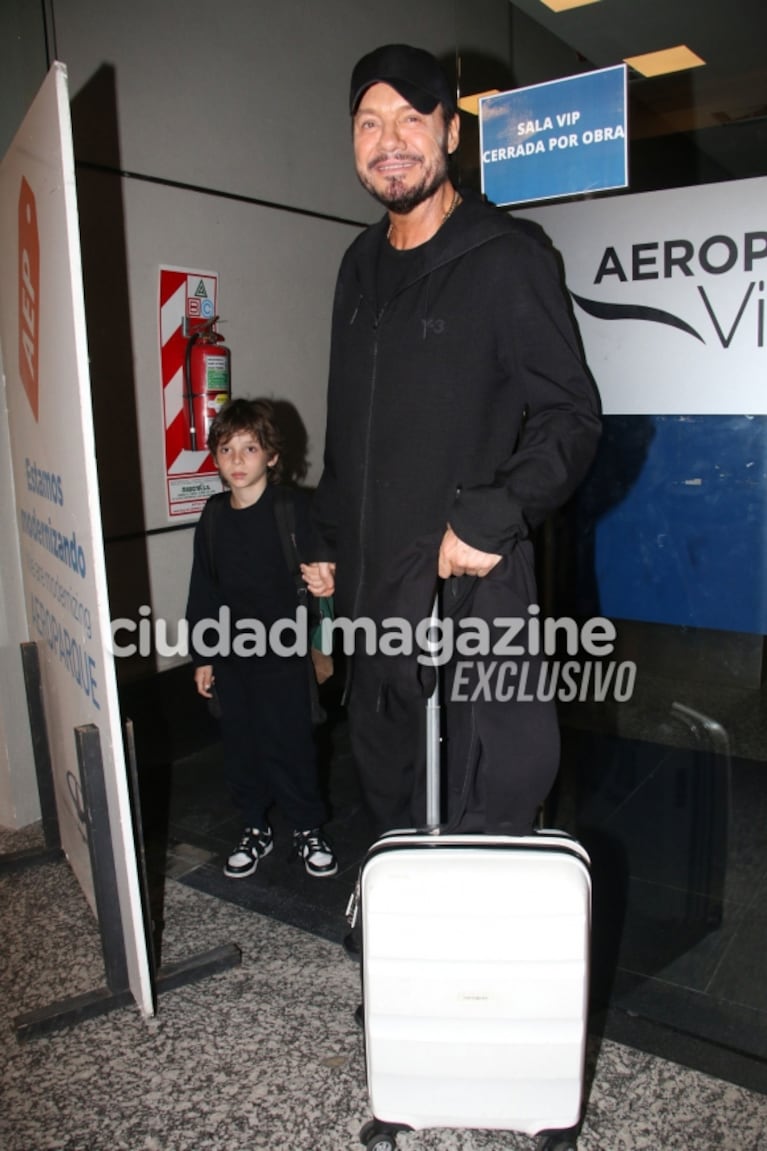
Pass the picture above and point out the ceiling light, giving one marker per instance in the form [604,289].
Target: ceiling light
[563,5]
[667,60]
[471,103]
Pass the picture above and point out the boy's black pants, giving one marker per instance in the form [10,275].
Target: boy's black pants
[269,750]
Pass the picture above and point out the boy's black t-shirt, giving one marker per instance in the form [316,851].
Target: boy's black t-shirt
[251,573]
[253,579]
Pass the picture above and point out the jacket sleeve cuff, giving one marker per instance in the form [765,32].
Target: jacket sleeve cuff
[320,550]
[488,519]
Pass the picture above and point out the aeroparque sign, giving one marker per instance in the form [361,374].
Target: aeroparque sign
[669,294]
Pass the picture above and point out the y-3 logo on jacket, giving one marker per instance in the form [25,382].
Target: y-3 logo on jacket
[435,327]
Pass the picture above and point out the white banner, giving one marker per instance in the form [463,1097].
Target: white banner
[45,355]
[669,294]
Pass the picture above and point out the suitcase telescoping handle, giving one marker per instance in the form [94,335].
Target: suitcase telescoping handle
[433,739]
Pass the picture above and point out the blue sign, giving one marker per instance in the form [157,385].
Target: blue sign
[558,139]
[670,522]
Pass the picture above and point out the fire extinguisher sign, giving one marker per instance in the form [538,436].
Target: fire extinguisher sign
[194,369]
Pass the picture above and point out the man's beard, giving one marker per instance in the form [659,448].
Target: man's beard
[398,198]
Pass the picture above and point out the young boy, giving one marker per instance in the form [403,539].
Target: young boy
[264,699]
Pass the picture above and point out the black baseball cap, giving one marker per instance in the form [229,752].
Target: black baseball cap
[416,74]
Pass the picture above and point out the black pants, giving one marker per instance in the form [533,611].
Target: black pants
[501,754]
[269,750]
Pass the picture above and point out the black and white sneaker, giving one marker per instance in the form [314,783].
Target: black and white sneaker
[316,852]
[253,845]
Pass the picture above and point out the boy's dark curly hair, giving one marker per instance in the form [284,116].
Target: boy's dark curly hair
[254,416]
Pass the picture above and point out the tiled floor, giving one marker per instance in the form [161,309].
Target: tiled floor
[265,1056]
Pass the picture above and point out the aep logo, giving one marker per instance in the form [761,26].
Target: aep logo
[29,295]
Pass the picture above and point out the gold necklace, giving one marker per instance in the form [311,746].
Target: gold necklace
[453,205]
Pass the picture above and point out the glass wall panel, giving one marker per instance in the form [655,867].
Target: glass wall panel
[667,785]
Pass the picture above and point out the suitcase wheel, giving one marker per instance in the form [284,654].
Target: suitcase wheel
[378,1138]
[381,1143]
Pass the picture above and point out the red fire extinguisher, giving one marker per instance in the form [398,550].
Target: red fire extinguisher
[207,368]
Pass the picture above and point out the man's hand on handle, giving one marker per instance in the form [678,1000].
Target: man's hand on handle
[457,559]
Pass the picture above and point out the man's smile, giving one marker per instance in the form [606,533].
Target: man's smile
[392,165]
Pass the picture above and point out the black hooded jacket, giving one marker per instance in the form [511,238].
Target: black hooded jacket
[463,399]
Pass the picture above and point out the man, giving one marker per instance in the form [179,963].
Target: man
[459,416]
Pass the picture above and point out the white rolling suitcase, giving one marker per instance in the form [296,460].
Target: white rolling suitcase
[475,961]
